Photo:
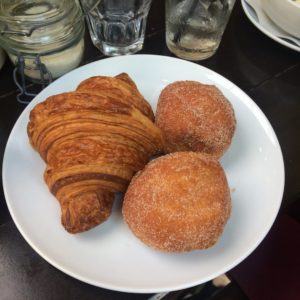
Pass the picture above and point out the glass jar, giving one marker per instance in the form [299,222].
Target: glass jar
[46,36]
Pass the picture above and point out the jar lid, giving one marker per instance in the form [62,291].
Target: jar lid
[38,24]
[33,11]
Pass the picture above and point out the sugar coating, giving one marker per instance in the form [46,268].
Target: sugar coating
[178,202]
[195,117]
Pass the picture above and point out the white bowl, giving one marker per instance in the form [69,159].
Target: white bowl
[285,14]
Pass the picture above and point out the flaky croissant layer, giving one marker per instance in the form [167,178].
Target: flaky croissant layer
[93,141]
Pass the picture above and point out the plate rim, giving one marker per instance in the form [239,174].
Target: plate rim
[265,31]
[116,287]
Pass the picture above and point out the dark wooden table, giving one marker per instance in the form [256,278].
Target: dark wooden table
[270,74]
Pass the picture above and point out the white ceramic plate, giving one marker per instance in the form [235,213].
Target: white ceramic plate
[269,27]
[109,255]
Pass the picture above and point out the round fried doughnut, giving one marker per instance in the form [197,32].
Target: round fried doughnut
[179,202]
[195,117]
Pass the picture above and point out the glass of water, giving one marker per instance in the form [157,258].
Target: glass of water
[117,27]
[194,28]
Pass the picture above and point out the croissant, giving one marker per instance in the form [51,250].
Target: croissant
[93,140]
[122,87]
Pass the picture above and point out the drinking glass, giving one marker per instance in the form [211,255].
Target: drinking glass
[117,27]
[194,28]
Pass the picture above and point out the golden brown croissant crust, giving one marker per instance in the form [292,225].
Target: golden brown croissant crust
[93,140]
[121,87]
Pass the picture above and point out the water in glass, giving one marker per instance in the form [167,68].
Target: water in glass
[117,27]
[194,27]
